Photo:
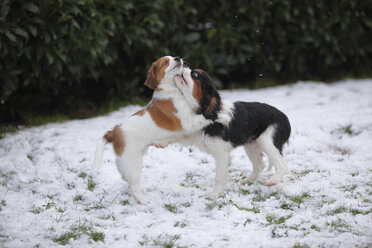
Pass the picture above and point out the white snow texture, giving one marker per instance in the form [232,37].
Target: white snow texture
[50,197]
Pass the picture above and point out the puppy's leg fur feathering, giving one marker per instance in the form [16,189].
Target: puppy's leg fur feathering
[254,154]
[266,145]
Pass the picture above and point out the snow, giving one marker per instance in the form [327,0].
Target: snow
[324,200]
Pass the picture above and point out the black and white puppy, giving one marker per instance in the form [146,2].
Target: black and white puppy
[259,127]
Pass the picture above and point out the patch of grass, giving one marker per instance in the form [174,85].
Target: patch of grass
[210,205]
[97,205]
[7,129]
[349,188]
[255,209]
[315,227]
[274,194]
[348,130]
[91,184]
[272,219]
[171,208]
[76,231]
[29,157]
[296,199]
[64,238]
[50,203]
[36,210]
[338,210]
[180,224]
[355,211]
[97,236]
[78,198]
[107,217]
[247,221]
[301,245]
[125,202]
[245,191]
[191,180]
[302,173]
[299,198]
[186,204]
[166,241]
[70,186]
[286,206]
[38,120]
[339,225]
[259,196]
[83,174]
[219,203]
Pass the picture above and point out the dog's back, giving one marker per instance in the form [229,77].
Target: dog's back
[250,120]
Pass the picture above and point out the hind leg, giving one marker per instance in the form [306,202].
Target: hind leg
[130,167]
[275,158]
[253,152]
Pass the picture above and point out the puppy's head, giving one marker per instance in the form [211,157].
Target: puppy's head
[163,70]
[198,89]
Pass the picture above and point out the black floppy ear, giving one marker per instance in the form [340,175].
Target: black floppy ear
[151,80]
[211,101]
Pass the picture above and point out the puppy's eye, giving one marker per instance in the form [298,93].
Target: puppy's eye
[194,74]
[165,62]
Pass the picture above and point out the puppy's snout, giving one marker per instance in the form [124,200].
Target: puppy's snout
[178,59]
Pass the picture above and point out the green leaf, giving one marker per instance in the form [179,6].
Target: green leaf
[31,7]
[50,58]
[20,32]
[33,29]
[10,36]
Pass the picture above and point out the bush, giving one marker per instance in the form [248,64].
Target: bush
[61,56]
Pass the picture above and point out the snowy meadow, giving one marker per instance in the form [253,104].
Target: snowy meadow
[49,196]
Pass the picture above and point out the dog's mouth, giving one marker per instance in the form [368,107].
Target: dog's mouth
[178,65]
[182,79]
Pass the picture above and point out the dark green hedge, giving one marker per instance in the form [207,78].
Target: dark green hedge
[71,54]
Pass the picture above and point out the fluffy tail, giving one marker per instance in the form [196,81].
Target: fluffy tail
[99,154]
[116,137]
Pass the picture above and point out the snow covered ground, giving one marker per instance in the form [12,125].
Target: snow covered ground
[49,197]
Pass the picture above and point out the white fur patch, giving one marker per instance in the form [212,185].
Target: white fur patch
[226,113]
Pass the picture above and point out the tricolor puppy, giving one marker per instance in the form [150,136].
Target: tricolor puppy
[167,116]
[258,127]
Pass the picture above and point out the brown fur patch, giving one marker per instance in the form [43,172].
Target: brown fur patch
[197,91]
[162,113]
[140,113]
[212,103]
[116,137]
[156,73]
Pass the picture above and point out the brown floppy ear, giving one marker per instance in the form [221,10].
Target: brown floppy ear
[151,81]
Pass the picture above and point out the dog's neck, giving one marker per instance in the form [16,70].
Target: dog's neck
[167,89]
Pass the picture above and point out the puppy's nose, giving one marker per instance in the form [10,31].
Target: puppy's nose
[178,59]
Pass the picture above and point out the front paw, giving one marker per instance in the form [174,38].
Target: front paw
[215,194]
[138,196]
[161,143]
[159,146]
